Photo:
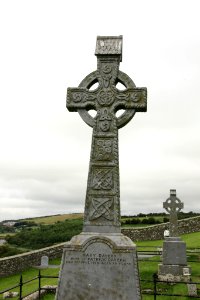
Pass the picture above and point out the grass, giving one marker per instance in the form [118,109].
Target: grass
[146,269]
[9,281]
[192,241]
[149,267]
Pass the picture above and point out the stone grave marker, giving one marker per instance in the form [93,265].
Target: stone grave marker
[44,261]
[192,289]
[173,205]
[174,259]
[101,263]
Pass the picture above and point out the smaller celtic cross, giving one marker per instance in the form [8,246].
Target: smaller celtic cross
[173,205]
[102,204]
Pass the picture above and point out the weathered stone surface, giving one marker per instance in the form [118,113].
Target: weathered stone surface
[99,267]
[44,261]
[102,264]
[156,232]
[10,295]
[174,252]
[44,290]
[102,204]
[192,289]
[173,205]
[174,259]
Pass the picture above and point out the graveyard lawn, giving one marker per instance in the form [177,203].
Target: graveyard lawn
[7,282]
[192,241]
[150,266]
[146,268]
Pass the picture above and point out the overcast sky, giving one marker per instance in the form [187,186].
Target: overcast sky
[47,46]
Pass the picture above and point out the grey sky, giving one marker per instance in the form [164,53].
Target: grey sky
[47,46]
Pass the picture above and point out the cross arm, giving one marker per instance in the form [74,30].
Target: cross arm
[80,98]
[132,98]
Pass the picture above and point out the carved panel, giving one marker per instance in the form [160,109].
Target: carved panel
[105,121]
[102,178]
[103,149]
[101,207]
[109,45]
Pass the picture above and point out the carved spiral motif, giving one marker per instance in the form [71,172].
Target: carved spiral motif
[77,97]
[106,69]
[105,98]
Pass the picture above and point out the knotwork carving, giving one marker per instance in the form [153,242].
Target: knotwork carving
[105,97]
[102,179]
[126,81]
[101,207]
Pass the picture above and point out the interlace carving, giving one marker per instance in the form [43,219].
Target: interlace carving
[101,208]
[103,179]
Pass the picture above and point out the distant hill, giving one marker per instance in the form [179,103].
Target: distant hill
[61,217]
[55,218]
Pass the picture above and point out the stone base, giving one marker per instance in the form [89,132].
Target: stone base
[97,266]
[174,273]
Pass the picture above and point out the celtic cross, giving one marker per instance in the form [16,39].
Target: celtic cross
[173,205]
[102,204]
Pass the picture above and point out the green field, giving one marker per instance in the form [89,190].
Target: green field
[28,274]
[54,219]
[192,241]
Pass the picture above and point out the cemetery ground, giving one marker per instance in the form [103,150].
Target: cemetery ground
[147,267]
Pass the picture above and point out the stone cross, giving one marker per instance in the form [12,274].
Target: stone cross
[102,204]
[173,205]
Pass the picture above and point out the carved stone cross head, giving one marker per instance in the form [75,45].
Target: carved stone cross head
[106,99]
[173,205]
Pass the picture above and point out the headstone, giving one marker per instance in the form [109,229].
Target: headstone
[101,263]
[44,261]
[174,259]
[166,233]
[192,289]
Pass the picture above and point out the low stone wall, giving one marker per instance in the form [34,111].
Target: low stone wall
[15,264]
[156,232]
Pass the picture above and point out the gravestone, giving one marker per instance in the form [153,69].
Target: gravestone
[174,259]
[101,263]
[192,289]
[44,261]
